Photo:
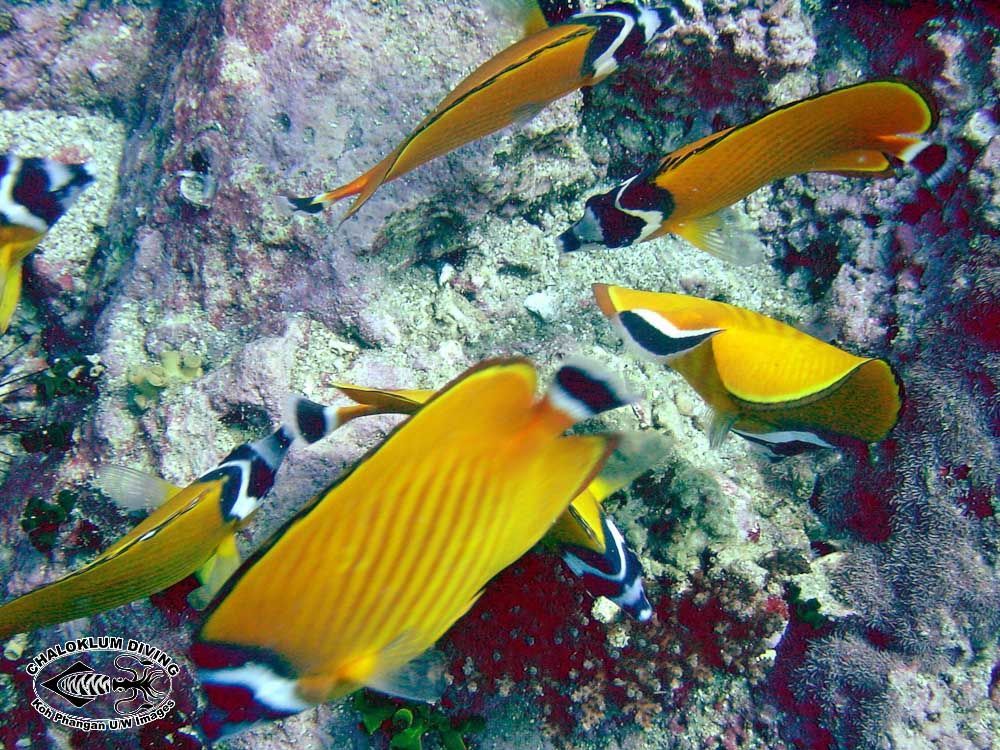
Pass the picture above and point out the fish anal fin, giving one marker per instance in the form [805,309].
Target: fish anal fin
[214,573]
[132,489]
[419,679]
[725,235]
[719,427]
[865,162]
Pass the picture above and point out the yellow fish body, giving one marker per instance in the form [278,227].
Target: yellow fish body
[366,578]
[34,193]
[594,548]
[765,380]
[513,85]
[192,530]
[849,131]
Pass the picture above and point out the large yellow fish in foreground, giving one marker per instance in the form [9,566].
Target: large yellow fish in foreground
[764,380]
[590,542]
[513,85]
[366,578]
[192,530]
[34,193]
[849,131]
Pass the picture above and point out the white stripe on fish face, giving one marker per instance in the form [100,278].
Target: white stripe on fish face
[268,688]
[239,505]
[14,211]
[784,443]
[624,572]
[652,219]
[605,64]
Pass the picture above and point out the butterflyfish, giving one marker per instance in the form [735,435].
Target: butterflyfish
[854,130]
[591,544]
[191,531]
[764,380]
[513,86]
[34,193]
[356,588]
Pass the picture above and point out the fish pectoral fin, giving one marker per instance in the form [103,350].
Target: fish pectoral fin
[214,573]
[132,489]
[866,162]
[725,235]
[719,427]
[420,679]
[10,292]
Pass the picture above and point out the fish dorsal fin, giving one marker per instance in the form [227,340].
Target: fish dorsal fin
[724,234]
[719,427]
[419,679]
[393,401]
[132,489]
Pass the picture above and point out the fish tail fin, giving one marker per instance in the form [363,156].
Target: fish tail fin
[582,389]
[313,204]
[310,422]
[10,289]
[244,686]
[637,453]
[133,489]
[724,234]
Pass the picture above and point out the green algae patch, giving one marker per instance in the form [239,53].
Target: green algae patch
[176,367]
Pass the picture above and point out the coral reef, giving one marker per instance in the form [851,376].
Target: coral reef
[824,601]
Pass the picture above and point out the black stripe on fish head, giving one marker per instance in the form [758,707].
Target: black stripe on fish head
[584,389]
[617,37]
[604,224]
[616,574]
[47,188]
[656,337]
[248,473]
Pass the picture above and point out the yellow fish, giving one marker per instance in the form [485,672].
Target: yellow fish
[849,131]
[193,529]
[34,193]
[594,548]
[363,581]
[515,84]
[768,382]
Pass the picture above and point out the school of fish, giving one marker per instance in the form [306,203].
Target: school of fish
[355,589]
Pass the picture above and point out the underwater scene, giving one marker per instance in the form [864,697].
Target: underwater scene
[500,374]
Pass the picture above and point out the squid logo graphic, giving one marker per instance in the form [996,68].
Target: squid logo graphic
[109,683]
